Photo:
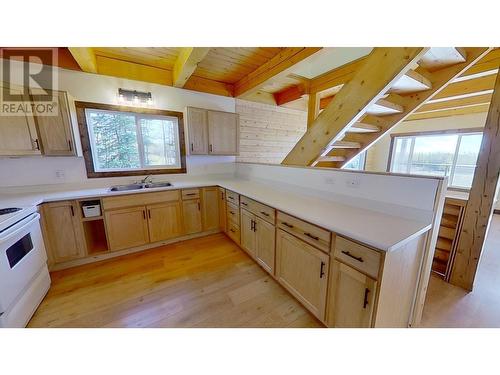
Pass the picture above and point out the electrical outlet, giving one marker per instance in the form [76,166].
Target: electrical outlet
[353,182]
[60,174]
[329,180]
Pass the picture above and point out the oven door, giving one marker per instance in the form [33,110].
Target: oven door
[22,254]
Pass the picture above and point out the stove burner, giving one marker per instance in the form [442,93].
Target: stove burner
[4,211]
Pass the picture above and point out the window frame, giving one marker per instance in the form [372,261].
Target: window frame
[459,132]
[89,152]
[363,164]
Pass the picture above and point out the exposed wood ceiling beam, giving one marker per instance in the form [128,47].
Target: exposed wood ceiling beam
[186,64]
[290,94]
[454,103]
[85,58]
[278,66]
[382,68]
[481,108]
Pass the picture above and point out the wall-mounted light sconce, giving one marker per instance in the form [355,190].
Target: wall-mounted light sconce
[135,97]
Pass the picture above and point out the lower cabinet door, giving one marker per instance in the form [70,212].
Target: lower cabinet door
[164,221]
[303,270]
[191,213]
[210,208]
[63,231]
[351,297]
[247,232]
[265,238]
[127,227]
[222,210]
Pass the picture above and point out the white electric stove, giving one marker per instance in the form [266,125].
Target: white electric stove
[24,277]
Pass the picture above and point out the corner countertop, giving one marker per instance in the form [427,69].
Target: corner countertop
[373,228]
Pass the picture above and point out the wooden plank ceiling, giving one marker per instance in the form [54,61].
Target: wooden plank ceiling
[269,74]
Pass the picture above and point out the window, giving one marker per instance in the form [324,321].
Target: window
[135,142]
[358,163]
[451,155]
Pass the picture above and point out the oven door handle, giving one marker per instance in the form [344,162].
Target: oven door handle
[19,226]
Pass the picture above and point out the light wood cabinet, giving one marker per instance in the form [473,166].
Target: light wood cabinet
[197,130]
[247,232]
[303,270]
[127,227]
[191,213]
[265,244]
[18,135]
[164,221]
[222,210]
[56,134]
[258,239]
[223,133]
[212,132]
[62,231]
[351,297]
[210,208]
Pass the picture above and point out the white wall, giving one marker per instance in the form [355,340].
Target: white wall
[103,89]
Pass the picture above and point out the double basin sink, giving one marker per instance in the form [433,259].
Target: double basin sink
[148,185]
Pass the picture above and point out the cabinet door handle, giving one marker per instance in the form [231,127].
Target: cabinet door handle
[287,225]
[149,214]
[192,147]
[144,214]
[232,230]
[37,144]
[199,206]
[365,302]
[211,148]
[254,226]
[264,213]
[69,144]
[231,212]
[359,259]
[72,211]
[222,195]
[230,197]
[251,225]
[311,236]
[322,270]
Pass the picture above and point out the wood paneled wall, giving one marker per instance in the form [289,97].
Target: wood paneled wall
[268,133]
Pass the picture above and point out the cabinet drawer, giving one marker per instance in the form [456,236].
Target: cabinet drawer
[190,193]
[232,197]
[310,233]
[233,231]
[143,199]
[358,256]
[258,209]
[233,213]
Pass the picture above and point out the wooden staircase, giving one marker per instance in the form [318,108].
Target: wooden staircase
[391,85]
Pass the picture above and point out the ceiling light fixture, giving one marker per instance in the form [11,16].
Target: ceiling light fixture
[134,96]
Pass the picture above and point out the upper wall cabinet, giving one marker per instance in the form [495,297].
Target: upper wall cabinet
[30,134]
[18,134]
[213,132]
[56,134]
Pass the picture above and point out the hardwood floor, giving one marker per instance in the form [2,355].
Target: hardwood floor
[205,282]
[449,306]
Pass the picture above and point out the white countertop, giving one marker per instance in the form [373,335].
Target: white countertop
[373,228]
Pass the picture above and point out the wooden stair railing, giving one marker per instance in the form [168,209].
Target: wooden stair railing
[373,102]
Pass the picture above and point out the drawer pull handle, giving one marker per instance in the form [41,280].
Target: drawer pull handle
[359,259]
[244,204]
[311,236]
[232,230]
[190,194]
[365,302]
[264,213]
[322,270]
[287,225]
[231,212]
[230,197]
